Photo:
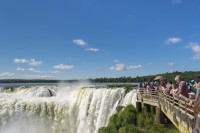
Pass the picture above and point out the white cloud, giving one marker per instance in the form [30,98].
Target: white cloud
[62,66]
[33,62]
[172,64]
[135,67]
[79,42]
[21,61]
[171,71]
[195,49]
[92,49]
[31,69]
[20,69]
[37,77]
[26,76]
[116,61]
[176,1]
[173,40]
[55,72]
[120,67]
[39,71]
[6,75]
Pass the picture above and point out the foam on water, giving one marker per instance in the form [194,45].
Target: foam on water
[55,109]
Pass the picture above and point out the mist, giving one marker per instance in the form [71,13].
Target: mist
[73,108]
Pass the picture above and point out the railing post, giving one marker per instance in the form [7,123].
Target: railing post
[141,94]
[173,103]
[158,98]
[139,106]
[185,106]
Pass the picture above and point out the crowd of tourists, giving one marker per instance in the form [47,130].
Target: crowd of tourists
[178,88]
[187,91]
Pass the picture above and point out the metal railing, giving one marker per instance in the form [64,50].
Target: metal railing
[175,107]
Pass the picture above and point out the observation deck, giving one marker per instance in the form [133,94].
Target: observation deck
[176,109]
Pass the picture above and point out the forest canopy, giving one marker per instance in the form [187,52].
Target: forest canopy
[187,75]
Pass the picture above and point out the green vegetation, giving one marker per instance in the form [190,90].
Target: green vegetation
[187,75]
[128,120]
[127,87]
[121,85]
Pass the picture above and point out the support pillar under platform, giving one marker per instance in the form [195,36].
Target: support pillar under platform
[147,108]
[139,106]
[159,115]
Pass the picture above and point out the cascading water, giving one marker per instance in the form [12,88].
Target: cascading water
[54,109]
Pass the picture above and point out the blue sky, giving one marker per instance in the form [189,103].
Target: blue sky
[77,39]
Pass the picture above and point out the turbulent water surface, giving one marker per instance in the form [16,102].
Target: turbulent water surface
[56,109]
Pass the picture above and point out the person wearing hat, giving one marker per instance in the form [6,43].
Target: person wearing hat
[159,78]
[192,82]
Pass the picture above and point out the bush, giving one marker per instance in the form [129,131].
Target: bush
[108,129]
[141,120]
[103,130]
[129,129]
[160,129]
[114,121]
[124,117]
[128,115]
[145,120]
[128,120]
[149,121]
[119,108]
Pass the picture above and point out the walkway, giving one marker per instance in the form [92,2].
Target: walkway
[179,112]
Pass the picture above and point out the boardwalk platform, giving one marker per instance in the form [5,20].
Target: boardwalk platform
[178,110]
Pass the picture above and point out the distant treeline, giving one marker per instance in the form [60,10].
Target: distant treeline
[187,75]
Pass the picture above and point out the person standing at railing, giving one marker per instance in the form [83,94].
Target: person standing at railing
[197,86]
[191,98]
[156,85]
[174,89]
[150,87]
[168,87]
[162,86]
[140,85]
[182,88]
[197,113]
[145,84]
[191,86]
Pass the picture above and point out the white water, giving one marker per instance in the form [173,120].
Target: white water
[70,110]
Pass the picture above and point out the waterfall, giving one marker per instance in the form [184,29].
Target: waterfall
[55,109]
